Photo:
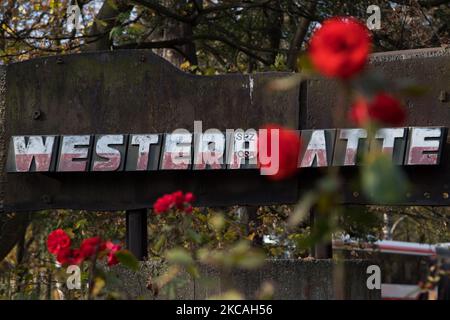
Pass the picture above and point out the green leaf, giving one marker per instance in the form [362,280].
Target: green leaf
[193,271]
[382,181]
[179,256]
[304,64]
[217,221]
[194,236]
[127,259]
[409,87]
[228,295]
[158,245]
[116,31]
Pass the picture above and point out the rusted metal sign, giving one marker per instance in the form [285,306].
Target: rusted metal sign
[115,115]
[135,95]
[107,153]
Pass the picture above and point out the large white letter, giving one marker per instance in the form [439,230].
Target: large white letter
[35,148]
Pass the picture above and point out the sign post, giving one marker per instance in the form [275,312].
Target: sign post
[136,232]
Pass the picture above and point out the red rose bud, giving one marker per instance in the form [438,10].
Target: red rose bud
[340,47]
[58,240]
[383,109]
[278,152]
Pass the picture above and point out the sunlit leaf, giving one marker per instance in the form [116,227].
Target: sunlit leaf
[217,221]
[99,284]
[266,292]
[193,271]
[286,83]
[158,245]
[185,66]
[304,64]
[410,87]
[228,295]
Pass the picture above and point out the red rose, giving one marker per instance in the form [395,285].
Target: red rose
[383,109]
[359,113]
[68,256]
[289,145]
[188,209]
[189,197]
[91,246]
[58,240]
[178,199]
[164,203]
[340,47]
[112,249]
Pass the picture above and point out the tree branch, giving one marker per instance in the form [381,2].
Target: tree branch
[181,41]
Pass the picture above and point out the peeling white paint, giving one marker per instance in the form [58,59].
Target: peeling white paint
[251,83]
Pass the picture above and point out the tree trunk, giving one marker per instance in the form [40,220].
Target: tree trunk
[105,20]
[299,37]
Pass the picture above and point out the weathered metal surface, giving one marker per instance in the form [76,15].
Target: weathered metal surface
[423,146]
[317,149]
[391,141]
[31,154]
[74,153]
[177,151]
[135,92]
[209,150]
[349,146]
[143,152]
[109,152]
[242,149]
[430,185]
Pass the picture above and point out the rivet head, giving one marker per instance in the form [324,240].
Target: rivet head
[355,194]
[59,60]
[427,195]
[443,96]
[37,114]
[46,199]
[445,195]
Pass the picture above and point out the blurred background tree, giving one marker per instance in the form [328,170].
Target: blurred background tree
[214,36]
